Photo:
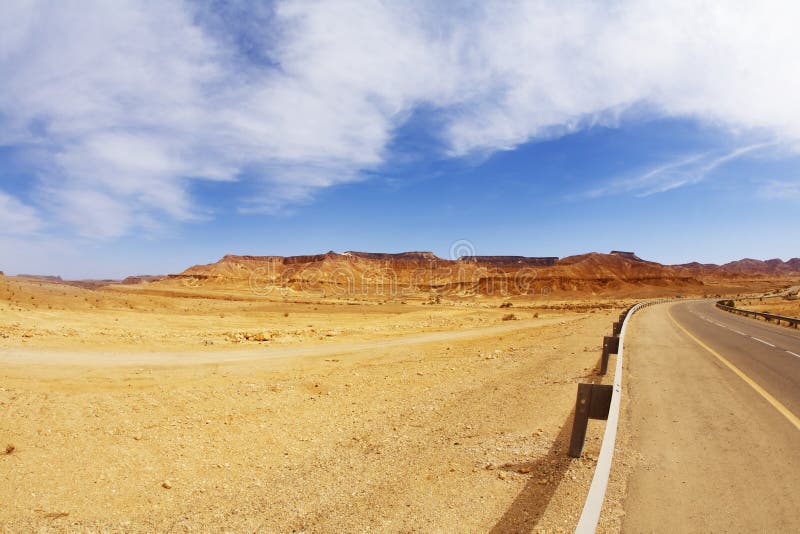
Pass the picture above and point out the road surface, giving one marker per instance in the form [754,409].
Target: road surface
[713,412]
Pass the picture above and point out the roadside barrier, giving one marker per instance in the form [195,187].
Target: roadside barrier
[601,401]
[779,319]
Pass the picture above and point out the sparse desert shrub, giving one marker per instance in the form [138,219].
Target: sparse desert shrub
[506,305]
[510,317]
[536,315]
[286,314]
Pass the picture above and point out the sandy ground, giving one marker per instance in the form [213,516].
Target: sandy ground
[46,315]
[412,418]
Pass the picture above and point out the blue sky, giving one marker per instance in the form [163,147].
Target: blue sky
[141,138]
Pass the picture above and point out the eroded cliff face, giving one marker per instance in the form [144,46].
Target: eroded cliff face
[418,272]
[369,272]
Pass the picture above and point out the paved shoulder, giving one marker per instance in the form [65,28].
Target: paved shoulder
[716,454]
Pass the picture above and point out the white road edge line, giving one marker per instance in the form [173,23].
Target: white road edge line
[793,354]
[764,342]
[740,333]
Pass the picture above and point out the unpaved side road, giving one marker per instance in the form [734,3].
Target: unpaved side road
[277,355]
[703,450]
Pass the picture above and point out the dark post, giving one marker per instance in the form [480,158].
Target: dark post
[581,420]
[610,346]
[594,401]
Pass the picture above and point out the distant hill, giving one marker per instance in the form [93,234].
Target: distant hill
[368,272]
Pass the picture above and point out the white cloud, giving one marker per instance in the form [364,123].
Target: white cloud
[130,102]
[17,218]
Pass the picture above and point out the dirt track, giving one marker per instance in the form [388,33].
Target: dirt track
[276,355]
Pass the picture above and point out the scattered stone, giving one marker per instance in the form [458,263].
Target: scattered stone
[501,475]
[166,484]
[56,515]
[524,470]
[137,438]
[10,448]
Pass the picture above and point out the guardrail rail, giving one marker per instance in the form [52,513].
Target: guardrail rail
[779,319]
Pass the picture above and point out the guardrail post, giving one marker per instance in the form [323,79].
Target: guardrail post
[617,328]
[610,346]
[592,403]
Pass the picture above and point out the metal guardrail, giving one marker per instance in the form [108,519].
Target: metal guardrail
[779,319]
[597,491]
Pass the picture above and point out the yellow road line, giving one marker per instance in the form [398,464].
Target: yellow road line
[761,391]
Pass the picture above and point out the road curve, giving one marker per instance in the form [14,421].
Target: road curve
[713,413]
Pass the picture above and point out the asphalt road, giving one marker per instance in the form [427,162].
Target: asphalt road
[714,400]
[767,353]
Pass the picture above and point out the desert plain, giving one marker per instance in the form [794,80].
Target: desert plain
[203,402]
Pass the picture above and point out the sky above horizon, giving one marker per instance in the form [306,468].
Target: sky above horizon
[144,137]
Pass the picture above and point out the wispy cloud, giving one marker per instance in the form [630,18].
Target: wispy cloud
[686,170]
[780,190]
[129,103]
